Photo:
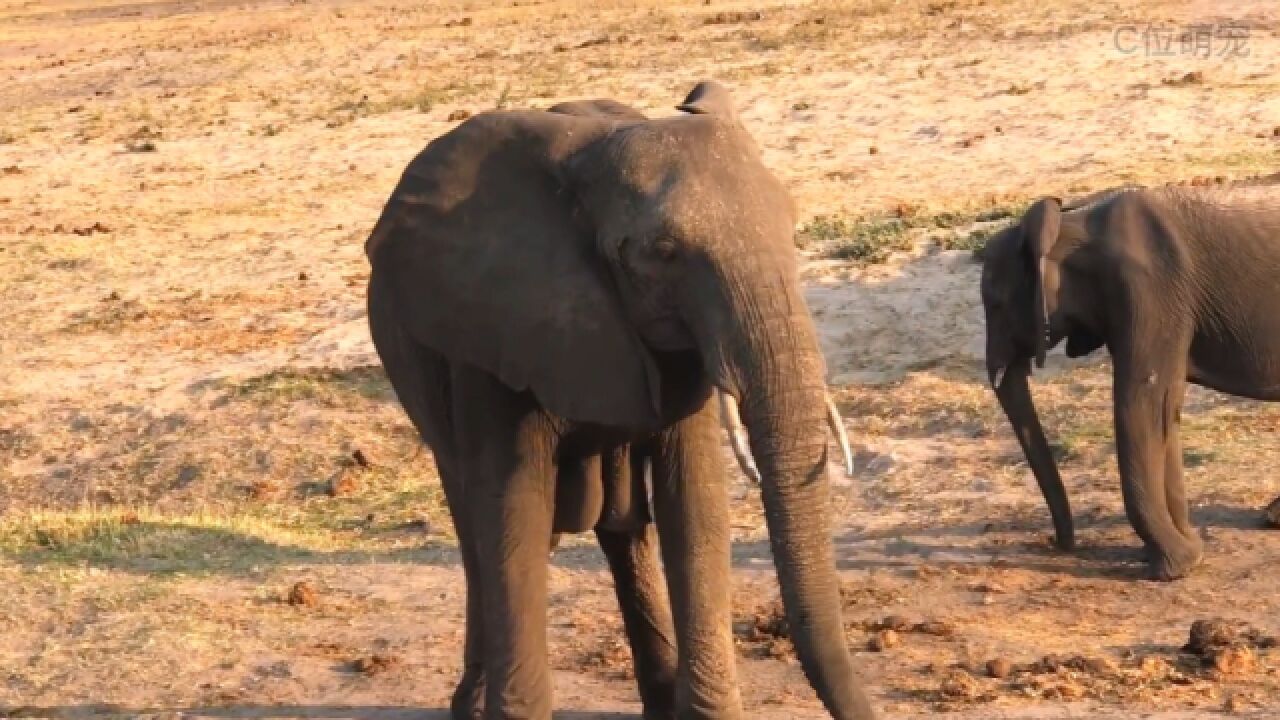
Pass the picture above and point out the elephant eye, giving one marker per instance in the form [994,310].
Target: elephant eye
[665,249]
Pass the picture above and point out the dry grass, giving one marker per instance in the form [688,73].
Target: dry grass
[185,373]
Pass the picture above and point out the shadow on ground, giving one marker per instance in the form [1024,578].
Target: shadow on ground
[1107,548]
[160,548]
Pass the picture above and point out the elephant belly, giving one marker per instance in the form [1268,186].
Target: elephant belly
[1251,371]
[597,491]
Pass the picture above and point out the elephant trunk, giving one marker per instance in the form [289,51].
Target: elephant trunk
[774,365]
[1014,391]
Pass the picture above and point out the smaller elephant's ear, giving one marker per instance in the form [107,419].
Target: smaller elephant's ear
[709,98]
[1040,226]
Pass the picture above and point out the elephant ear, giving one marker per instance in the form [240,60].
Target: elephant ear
[1040,227]
[491,262]
[709,98]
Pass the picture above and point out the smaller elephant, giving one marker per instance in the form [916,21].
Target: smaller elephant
[1179,286]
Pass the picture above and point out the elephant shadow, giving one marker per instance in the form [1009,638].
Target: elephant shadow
[1108,548]
[171,547]
[984,543]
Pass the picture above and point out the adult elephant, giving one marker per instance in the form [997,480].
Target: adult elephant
[555,297]
[1179,286]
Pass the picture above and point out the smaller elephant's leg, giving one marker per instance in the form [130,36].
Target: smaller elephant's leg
[1174,489]
[642,597]
[1145,424]
[506,450]
[691,501]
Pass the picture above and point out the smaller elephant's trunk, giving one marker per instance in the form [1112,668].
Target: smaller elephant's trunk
[1014,392]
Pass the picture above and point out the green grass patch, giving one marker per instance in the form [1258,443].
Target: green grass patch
[390,523]
[873,239]
[150,542]
[971,230]
[1194,458]
[974,241]
[867,241]
[331,388]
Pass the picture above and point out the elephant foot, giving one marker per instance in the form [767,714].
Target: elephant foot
[468,696]
[709,706]
[1175,563]
[659,702]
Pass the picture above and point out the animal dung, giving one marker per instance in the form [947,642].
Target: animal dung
[999,668]
[303,594]
[883,640]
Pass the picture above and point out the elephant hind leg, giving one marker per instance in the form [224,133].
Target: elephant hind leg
[467,702]
[506,445]
[646,614]
[579,493]
[421,380]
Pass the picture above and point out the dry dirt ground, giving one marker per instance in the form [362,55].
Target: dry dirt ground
[185,375]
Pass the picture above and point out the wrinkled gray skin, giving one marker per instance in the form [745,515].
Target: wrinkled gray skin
[1178,288]
[555,295]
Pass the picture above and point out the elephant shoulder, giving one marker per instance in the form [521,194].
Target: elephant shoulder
[1136,234]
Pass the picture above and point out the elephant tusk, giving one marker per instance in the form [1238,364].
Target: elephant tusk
[738,438]
[997,377]
[837,429]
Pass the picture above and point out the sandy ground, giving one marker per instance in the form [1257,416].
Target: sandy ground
[185,188]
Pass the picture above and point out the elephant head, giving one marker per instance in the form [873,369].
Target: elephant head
[569,252]
[1020,283]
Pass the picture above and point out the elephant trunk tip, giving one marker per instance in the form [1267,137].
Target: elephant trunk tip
[996,376]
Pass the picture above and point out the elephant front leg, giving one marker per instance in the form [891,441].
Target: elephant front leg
[691,502]
[1147,404]
[509,498]
[1175,491]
